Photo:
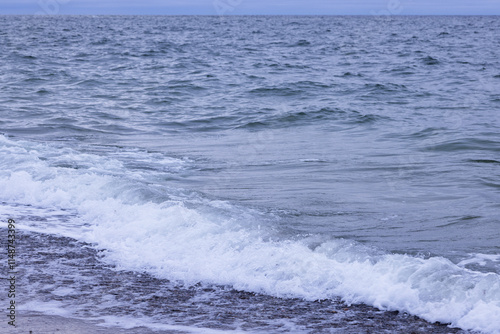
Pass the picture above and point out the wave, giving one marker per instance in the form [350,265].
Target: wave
[142,225]
[430,61]
[263,118]
[276,119]
[464,144]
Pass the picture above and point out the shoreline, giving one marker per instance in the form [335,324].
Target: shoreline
[39,323]
[352,319]
[175,309]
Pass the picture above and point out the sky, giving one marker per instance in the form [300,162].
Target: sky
[251,7]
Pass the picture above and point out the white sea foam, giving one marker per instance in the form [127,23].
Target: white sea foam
[127,322]
[216,242]
[59,309]
[52,307]
[480,259]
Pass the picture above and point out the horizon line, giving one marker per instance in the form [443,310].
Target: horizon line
[217,15]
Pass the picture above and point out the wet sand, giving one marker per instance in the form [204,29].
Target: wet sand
[343,319]
[32,323]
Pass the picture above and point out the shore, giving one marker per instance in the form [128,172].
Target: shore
[35,323]
[353,319]
[70,278]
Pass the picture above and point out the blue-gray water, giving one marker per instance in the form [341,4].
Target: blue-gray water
[296,157]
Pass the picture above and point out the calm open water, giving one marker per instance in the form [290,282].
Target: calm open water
[299,158]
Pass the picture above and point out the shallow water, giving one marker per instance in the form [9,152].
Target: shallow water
[303,158]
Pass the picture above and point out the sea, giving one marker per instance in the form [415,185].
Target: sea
[253,174]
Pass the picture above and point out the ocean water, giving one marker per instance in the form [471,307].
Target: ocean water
[255,174]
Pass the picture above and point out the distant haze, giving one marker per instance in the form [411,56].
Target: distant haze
[252,7]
